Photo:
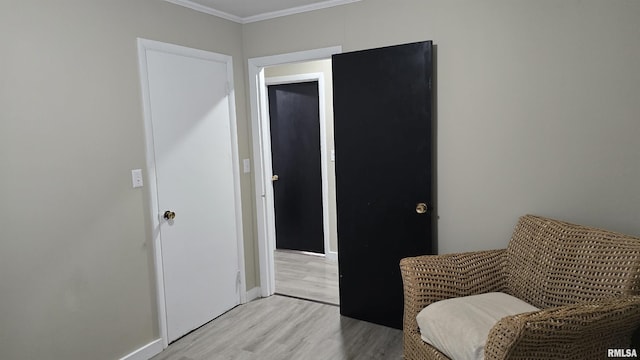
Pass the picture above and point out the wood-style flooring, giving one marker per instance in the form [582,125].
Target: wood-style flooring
[306,276]
[281,328]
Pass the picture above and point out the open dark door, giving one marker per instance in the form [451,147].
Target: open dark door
[294,114]
[382,123]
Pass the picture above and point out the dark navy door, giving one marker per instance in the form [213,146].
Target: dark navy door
[295,147]
[383,139]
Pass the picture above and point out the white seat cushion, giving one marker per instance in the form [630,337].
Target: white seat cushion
[459,327]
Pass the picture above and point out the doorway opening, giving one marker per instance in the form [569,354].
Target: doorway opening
[385,209]
[301,133]
[311,275]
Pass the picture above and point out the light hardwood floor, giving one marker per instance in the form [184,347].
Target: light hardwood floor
[281,328]
[306,276]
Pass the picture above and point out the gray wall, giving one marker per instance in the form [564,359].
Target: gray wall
[538,111]
[77,278]
[538,104]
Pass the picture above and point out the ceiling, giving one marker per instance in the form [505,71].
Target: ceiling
[246,11]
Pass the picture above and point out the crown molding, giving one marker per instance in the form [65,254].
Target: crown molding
[297,10]
[207,10]
[260,17]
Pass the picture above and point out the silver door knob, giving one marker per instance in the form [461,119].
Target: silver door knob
[169,215]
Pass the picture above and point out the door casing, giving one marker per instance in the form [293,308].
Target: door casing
[265,215]
[145,45]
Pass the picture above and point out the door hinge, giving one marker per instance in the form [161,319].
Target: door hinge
[238,277]
[228,88]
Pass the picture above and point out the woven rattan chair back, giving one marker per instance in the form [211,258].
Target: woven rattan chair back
[554,263]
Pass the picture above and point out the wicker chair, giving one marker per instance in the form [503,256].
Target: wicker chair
[586,282]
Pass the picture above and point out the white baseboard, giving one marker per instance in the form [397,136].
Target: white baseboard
[254,293]
[146,352]
[332,256]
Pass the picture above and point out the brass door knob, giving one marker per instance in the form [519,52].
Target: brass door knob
[275,178]
[421,208]
[169,215]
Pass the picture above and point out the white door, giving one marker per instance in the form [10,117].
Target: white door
[196,178]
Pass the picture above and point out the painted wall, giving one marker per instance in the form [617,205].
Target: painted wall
[324,67]
[538,112]
[538,104]
[77,278]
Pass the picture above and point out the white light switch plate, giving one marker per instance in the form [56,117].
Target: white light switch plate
[246,163]
[136,178]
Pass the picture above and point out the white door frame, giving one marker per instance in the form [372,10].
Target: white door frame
[145,45]
[265,215]
[324,166]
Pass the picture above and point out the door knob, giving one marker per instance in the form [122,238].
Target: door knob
[421,208]
[274,178]
[169,215]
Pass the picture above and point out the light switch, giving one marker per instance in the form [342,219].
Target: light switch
[246,163]
[136,178]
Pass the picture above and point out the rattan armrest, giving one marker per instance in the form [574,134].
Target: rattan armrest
[430,278]
[579,331]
